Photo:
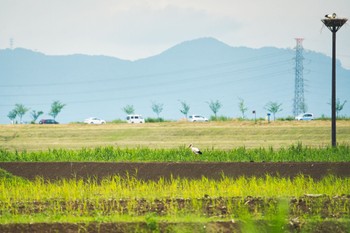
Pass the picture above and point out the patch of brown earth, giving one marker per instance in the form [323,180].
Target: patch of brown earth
[192,170]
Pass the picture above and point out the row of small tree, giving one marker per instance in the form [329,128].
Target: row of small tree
[157,108]
[215,106]
[20,110]
[272,107]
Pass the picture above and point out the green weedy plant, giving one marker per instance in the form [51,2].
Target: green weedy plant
[294,153]
[247,221]
[151,222]
[278,220]
[118,187]
[274,221]
[117,197]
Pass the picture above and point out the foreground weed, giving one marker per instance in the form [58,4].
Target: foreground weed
[151,222]
[273,221]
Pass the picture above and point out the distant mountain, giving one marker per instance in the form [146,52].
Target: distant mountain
[196,72]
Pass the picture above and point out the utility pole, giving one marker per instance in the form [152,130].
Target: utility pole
[333,24]
[299,105]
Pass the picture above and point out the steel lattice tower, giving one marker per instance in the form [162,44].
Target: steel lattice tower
[11,43]
[299,105]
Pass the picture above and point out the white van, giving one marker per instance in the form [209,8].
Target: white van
[135,119]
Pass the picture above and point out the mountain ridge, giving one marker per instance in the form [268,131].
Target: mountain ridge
[195,71]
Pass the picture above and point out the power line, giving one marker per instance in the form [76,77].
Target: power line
[135,77]
[206,77]
[186,88]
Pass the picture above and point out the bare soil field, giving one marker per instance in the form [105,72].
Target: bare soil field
[192,170]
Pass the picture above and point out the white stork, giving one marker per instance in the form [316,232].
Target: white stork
[195,150]
[331,16]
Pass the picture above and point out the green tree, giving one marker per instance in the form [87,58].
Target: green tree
[157,108]
[185,108]
[12,116]
[242,107]
[338,106]
[129,109]
[215,106]
[56,108]
[35,115]
[21,111]
[274,108]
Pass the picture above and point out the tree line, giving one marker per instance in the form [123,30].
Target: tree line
[20,110]
[215,105]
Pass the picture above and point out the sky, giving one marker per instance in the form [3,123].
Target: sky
[134,29]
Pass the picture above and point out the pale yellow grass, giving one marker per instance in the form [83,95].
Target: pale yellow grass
[219,135]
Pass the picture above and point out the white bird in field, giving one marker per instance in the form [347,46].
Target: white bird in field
[331,16]
[195,150]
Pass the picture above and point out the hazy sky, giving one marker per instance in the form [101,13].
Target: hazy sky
[133,29]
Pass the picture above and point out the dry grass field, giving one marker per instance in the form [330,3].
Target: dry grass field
[220,135]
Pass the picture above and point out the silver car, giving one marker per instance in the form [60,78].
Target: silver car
[197,118]
[94,120]
[305,117]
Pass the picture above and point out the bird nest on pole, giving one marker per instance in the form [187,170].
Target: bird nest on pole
[337,22]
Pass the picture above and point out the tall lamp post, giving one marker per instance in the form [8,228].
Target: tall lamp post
[333,24]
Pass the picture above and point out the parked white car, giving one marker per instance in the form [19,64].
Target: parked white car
[94,120]
[305,117]
[197,118]
[135,119]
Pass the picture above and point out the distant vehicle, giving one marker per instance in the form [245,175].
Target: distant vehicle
[197,118]
[48,121]
[94,120]
[305,117]
[135,119]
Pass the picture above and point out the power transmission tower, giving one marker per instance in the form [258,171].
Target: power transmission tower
[299,105]
[11,43]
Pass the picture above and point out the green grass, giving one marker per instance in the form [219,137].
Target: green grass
[118,187]
[294,153]
[223,135]
[273,199]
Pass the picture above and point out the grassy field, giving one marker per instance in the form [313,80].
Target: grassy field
[118,199]
[213,135]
